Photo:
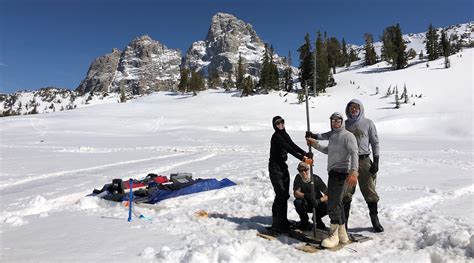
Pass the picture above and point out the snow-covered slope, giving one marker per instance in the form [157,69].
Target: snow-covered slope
[50,162]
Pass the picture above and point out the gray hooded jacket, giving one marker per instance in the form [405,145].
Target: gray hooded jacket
[341,151]
[363,129]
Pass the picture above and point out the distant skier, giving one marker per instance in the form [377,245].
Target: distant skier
[342,167]
[304,202]
[280,145]
[366,135]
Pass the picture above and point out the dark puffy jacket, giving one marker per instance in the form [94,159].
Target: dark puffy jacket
[281,144]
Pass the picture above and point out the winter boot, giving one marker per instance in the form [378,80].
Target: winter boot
[374,217]
[333,239]
[343,238]
[347,210]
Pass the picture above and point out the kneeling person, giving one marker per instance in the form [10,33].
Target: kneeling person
[304,201]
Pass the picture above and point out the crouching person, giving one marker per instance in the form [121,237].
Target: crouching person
[343,164]
[304,201]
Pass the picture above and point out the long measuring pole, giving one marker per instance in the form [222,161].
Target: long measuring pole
[313,194]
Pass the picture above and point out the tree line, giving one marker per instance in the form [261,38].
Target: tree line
[318,62]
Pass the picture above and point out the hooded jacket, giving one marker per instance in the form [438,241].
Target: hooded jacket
[341,151]
[363,129]
[281,144]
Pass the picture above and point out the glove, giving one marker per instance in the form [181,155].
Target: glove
[309,155]
[310,135]
[308,161]
[374,168]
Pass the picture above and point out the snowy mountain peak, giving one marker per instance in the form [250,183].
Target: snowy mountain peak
[144,66]
[226,28]
[227,38]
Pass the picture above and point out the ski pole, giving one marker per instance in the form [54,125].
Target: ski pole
[130,199]
[313,195]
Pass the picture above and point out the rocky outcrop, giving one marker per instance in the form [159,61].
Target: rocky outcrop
[147,65]
[144,66]
[101,73]
[227,38]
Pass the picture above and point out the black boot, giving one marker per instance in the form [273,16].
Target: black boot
[374,217]
[347,210]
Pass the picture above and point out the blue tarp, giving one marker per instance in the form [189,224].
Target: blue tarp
[199,185]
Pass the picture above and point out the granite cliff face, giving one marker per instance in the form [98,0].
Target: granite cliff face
[227,38]
[144,66]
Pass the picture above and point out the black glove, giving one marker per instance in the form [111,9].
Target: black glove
[310,135]
[309,155]
[374,168]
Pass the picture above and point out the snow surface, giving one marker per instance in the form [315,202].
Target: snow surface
[50,162]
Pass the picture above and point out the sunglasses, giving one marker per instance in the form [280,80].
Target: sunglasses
[336,120]
[303,170]
[354,107]
[280,121]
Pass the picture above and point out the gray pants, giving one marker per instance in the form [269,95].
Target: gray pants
[336,191]
[366,182]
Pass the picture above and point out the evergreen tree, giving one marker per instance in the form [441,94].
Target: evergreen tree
[247,86]
[196,82]
[184,80]
[214,81]
[288,80]
[445,45]
[432,43]
[370,56]
[334,53]
[421,55]
[274,75]
[306,63]
[345,54]
[239,78]
[394,47]
[352,56]
[322,70]
[269,78]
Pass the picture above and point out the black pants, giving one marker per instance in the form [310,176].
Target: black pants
[280,178]
[303,207]
[336,191]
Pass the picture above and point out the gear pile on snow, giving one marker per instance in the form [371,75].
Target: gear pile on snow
[154,188]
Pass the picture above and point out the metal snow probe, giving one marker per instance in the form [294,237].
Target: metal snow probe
[313,195]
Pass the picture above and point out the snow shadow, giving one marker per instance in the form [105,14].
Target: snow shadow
[360,229]
[245,223]
[375,70]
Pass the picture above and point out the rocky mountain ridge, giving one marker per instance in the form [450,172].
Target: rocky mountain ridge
[145,65]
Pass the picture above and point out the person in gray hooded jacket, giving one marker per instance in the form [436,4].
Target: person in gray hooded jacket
[343,164]
[366,135]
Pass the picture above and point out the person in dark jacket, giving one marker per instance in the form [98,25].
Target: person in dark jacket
[304,201]
[280,145]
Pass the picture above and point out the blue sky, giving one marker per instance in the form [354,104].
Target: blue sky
[53,42]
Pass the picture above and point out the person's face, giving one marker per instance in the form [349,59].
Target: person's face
[354,110]
[304,173]
[280,124]
[336,123]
